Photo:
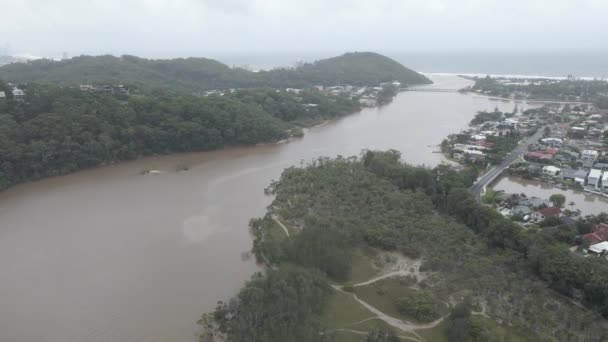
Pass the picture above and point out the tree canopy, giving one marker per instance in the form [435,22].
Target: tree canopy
[59,130]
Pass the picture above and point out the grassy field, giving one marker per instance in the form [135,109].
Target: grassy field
[362,267]
[342,311]
[502,332]
[493,330]
[436,334]
[384,294]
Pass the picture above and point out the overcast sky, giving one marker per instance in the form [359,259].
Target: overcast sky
[164,28]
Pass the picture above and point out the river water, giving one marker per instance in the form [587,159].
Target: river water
[110,255]
[587,203]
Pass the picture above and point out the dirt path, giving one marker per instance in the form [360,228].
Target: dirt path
[276,219]
[403,268]
[404,326]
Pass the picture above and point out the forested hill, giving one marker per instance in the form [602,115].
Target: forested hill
[199,74]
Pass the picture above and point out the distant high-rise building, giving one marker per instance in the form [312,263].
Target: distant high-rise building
[64,56]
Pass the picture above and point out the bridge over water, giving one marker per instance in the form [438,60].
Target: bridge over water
[431,90]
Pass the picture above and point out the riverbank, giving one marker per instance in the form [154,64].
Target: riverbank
[531,101]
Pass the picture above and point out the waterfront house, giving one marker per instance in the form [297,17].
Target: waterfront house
[534,202]
[521,210]
[577,176]
[543,213]
[599,234]
[550,171]
[593,179]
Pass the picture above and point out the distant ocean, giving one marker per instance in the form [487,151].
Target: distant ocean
[549,64]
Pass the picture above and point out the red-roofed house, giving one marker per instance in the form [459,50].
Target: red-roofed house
[543,213]
[484,143]
[552,151]
[539,155]
[599,234]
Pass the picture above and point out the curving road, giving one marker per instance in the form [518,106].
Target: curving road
[497,170]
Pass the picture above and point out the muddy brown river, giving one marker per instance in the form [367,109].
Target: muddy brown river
[111,255]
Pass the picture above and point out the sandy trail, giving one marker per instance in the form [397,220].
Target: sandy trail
[402,268]
[404,326]
[276,219]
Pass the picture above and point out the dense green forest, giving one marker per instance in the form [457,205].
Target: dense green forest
[525,279]
[58,130]
[193,75]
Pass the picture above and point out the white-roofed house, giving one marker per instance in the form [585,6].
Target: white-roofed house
[599,248]
[550,171]
[593,179]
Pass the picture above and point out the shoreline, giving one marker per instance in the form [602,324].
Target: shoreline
[177,155]
[474,94]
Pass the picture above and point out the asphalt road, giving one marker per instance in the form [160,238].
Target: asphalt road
[494,172]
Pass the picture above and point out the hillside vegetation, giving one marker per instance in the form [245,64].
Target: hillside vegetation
[193,75]
[58,130]
[478,273]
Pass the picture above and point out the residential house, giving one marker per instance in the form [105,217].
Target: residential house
[123,90]
[2,95]
[557,142]
[577,176]
[599,234]
[604,185]
[567,220]
[543,213]
[593,179]
[18,94]
[601,166]
[484,144]
[550,171]
[590,155]
[540,156]
[599,248]
[521,210]
[534,202]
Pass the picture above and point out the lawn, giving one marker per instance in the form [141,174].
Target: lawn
[497,331]
[384,294]
[362,267]
[503,332]
[436,334]
[342,311]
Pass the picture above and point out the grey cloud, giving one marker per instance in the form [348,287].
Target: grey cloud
[200,27]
